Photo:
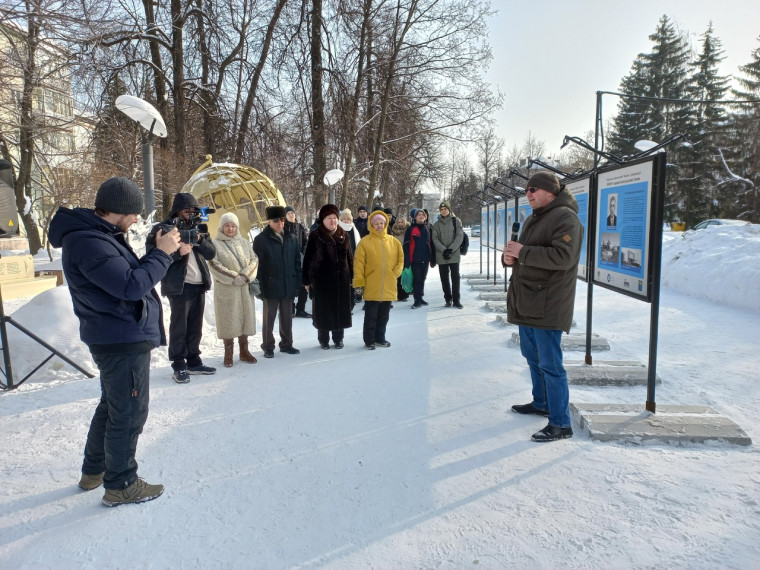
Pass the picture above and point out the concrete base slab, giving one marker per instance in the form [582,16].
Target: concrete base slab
[496,307]
[499,275]
[493,296]
[492,288]
[630,423]
[608,373]
[485,281]
[575,341]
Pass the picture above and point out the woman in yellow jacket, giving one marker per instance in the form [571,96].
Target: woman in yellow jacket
[378,262]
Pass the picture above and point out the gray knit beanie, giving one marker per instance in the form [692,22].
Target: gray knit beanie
[119,196]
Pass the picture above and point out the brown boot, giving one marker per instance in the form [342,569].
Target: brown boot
[245,356]
[229,346]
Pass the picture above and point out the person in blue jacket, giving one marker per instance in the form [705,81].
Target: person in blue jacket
[120,320]
[418,248]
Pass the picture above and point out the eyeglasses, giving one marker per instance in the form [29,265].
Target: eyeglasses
[533,189]
[278,220]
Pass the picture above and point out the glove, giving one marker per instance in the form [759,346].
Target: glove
[238,281]
[447,253]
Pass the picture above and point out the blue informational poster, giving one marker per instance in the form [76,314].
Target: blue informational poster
[581,190]
[484,227]
[523,211]
[500,221]
[623,223]
[491,216]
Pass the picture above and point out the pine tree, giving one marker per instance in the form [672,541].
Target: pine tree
[662,74]
[701,171]
[742,195]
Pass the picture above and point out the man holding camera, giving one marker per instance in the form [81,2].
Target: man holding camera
[120,321]
[186,283]
[447,237]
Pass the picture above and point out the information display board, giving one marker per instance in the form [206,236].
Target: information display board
[624,239]
[523,210]
[500,219]
[581,189]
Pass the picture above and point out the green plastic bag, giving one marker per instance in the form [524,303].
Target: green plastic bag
[407,280]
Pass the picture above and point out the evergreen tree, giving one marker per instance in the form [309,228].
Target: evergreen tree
[700,170]
[742,197]
[662,74]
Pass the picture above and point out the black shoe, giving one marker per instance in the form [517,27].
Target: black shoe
[181,376]
[448,303]
[529,409]
[369,346]
[552,433]
[417,306]
[383,343]
[339,344]
[325,346]
[200,369]
[404,300]
[291,350]
[458,305]
[269,354]
[424,302]
[303,315]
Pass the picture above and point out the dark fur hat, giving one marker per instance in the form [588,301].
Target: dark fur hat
[275,212]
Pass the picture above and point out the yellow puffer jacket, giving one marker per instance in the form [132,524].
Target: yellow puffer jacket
[378,262]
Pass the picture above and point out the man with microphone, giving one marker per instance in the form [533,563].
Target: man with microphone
[541,296]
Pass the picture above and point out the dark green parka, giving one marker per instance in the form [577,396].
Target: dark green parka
[541,290]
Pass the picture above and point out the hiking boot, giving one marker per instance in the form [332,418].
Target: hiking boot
[339,344]
[291,350]
[458,305]
[383,343]
[325,346]
[303,315]
[181,376]
[448,304]
[417,306]
[424,303]
[137,492]
[269,353]
[529,409]
[552,433]
[369,346]
[200,369]
[90,482]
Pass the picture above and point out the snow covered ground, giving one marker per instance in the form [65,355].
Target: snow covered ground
[404,457]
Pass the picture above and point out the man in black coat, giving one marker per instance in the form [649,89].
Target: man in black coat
[186,283]
[280,276]
[361,222]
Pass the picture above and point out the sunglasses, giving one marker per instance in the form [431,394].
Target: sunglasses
[278,220]
[533,189]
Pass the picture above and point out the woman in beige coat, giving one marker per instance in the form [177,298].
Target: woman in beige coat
[233,268]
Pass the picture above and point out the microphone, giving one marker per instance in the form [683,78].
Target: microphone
[515,231]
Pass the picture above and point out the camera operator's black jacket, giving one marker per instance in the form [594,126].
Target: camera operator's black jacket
[174,281]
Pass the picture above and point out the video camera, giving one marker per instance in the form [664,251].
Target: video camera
[191,227]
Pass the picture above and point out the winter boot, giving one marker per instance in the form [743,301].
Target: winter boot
[245,356]
[229,346]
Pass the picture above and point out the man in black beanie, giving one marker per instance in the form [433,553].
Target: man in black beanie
[541,297]
[361,222]
[186,283]
[120,321]
[280,277]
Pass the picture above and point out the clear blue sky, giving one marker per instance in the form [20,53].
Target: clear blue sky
[551,56]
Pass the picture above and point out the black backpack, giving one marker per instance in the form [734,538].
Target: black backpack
[465,240]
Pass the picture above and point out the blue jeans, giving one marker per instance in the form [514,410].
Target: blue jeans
[543,351]
[119,418]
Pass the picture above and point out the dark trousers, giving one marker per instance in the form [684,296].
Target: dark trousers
[419,273]
[323,336]
[119,418]
[450,290]
[376,315]
[272,307]
[400,293]
[186,326]
[303,294]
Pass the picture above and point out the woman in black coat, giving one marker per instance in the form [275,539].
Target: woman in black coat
[418,253]
[327,274]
